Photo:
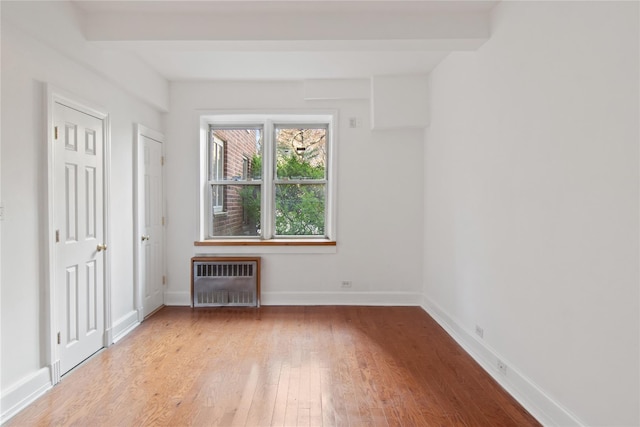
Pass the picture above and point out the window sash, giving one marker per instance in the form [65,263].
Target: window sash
[303,126]
[242,216]
[323,200]
[282,181]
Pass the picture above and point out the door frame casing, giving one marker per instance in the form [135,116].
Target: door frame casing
[60,96]
[141,131]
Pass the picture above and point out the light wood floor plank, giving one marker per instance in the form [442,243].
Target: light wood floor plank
[280,366]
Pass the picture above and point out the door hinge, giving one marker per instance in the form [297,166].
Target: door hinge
[55,132]
[57,236]
[164,280]
[162,160]
[58,337]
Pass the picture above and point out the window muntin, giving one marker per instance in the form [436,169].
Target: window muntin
[284,184]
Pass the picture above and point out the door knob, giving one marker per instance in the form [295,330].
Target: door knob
[101,247]
[145,237]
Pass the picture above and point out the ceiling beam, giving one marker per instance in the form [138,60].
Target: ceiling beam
[326,25]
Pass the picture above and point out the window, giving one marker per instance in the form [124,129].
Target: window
[245,168]
[268,177]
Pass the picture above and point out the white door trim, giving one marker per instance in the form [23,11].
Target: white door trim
[57,95]
[139,132]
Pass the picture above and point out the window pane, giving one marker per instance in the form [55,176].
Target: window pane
[240,156]
[301,153]
[300,209]
[240,215]
[216,158]
[217,198]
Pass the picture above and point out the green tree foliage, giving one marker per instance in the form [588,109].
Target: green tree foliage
[296,166]
[250,199]
[300,206]
[300,209]
[256,166]
[250,196]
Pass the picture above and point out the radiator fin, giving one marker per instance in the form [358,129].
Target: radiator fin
[221,283]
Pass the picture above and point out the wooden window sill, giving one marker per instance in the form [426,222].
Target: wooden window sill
[274,242]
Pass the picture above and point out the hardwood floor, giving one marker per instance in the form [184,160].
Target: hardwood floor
[280,366]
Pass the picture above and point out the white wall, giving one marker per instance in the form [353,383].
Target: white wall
[531,192]
[380,210]
[26,66]
[59,24]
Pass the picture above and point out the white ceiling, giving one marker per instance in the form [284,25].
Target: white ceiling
[264,39]
[206,65]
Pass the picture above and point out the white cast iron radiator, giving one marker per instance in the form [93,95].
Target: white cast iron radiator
[225,281]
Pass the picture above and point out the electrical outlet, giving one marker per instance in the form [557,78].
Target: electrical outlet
[346,284]
[479,331]
[502,367]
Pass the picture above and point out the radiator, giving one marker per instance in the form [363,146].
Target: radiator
[225,281]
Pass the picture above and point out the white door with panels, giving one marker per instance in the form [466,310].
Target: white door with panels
[150,221]
[79,249]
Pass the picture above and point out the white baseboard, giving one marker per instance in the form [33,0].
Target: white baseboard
[526,392]
[177,298]
[124,325]
[19,396]
[316,298]
[341,298]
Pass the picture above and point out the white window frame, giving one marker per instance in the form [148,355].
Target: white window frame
[268,121]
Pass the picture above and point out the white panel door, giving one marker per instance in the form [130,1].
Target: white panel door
[79,222]
[151,224]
